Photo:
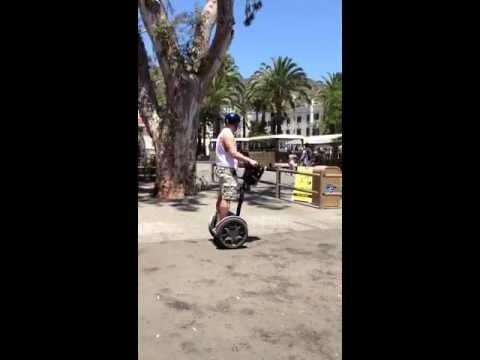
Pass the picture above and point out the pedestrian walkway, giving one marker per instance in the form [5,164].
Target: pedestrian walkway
[188,219]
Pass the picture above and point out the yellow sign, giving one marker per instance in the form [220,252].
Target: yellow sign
[303,182]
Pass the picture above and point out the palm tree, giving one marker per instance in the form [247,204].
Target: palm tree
[331,97]
[224,90]
[259,105]
[243,104]
[278,85]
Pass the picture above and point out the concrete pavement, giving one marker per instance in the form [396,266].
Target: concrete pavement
[278,298]
[187,220]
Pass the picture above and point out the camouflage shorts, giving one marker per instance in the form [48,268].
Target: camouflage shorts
[228,183]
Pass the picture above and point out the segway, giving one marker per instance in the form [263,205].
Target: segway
[232,231]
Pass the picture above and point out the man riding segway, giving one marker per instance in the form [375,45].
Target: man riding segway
[226,159]
[229,230]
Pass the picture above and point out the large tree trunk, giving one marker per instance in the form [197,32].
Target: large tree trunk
[279,122]
[205,137]
[217,127]
[263,122]
[272,123]
[244,126]
[174,134]
[147,101]
[177,147]
[177,130]
[276,123]
[199,142]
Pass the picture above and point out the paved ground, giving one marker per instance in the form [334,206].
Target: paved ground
[278,298]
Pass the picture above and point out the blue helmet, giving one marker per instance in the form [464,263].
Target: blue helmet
[232,118]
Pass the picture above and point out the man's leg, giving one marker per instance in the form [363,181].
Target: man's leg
[228,185]
[222,208]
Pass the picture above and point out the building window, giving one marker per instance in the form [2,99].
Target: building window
[288,132]
[316,131]
[316,116]
[299,119]
[288,121]
[308,131]
[299,131]
[308,118]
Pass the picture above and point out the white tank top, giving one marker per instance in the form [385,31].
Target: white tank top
[222,158]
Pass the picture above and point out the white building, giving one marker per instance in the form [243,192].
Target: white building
[303,120]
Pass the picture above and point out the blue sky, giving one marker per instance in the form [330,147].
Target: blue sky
[309,31]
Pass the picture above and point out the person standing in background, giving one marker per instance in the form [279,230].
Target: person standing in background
[307,156]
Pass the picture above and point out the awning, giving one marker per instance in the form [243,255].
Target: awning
[323,139]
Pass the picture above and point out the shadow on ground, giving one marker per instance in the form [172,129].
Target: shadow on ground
[189,204]
[249,240]
[260,198]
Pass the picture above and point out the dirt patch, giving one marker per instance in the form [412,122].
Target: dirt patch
[240,275]
[150,270]
[208,282]
[241,347]
[266,256]
[327,249]
[262,301]
[270,336]
[320,275]
[311,340]
[277,290]
[298,252]
[247,311]
[280,283]
[189,325]
[315,341]
[179,305]
[281,266]
[225,306]
[189,347]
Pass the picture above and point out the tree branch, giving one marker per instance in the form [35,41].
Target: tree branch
[204,26]
[147,101]
[162,34]
[213,59]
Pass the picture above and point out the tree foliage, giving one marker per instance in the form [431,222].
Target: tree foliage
[225,90]
[331,97]
[278,86]
[190,49]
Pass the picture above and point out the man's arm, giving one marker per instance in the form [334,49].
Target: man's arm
[229,145]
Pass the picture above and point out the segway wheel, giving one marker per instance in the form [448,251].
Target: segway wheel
[211,225]
[231,232]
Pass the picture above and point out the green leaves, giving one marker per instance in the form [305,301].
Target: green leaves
[159,82]
[279,85]
[251,7]
[331,97]
[225,89]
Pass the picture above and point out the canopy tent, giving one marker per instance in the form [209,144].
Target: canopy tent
[323,139]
